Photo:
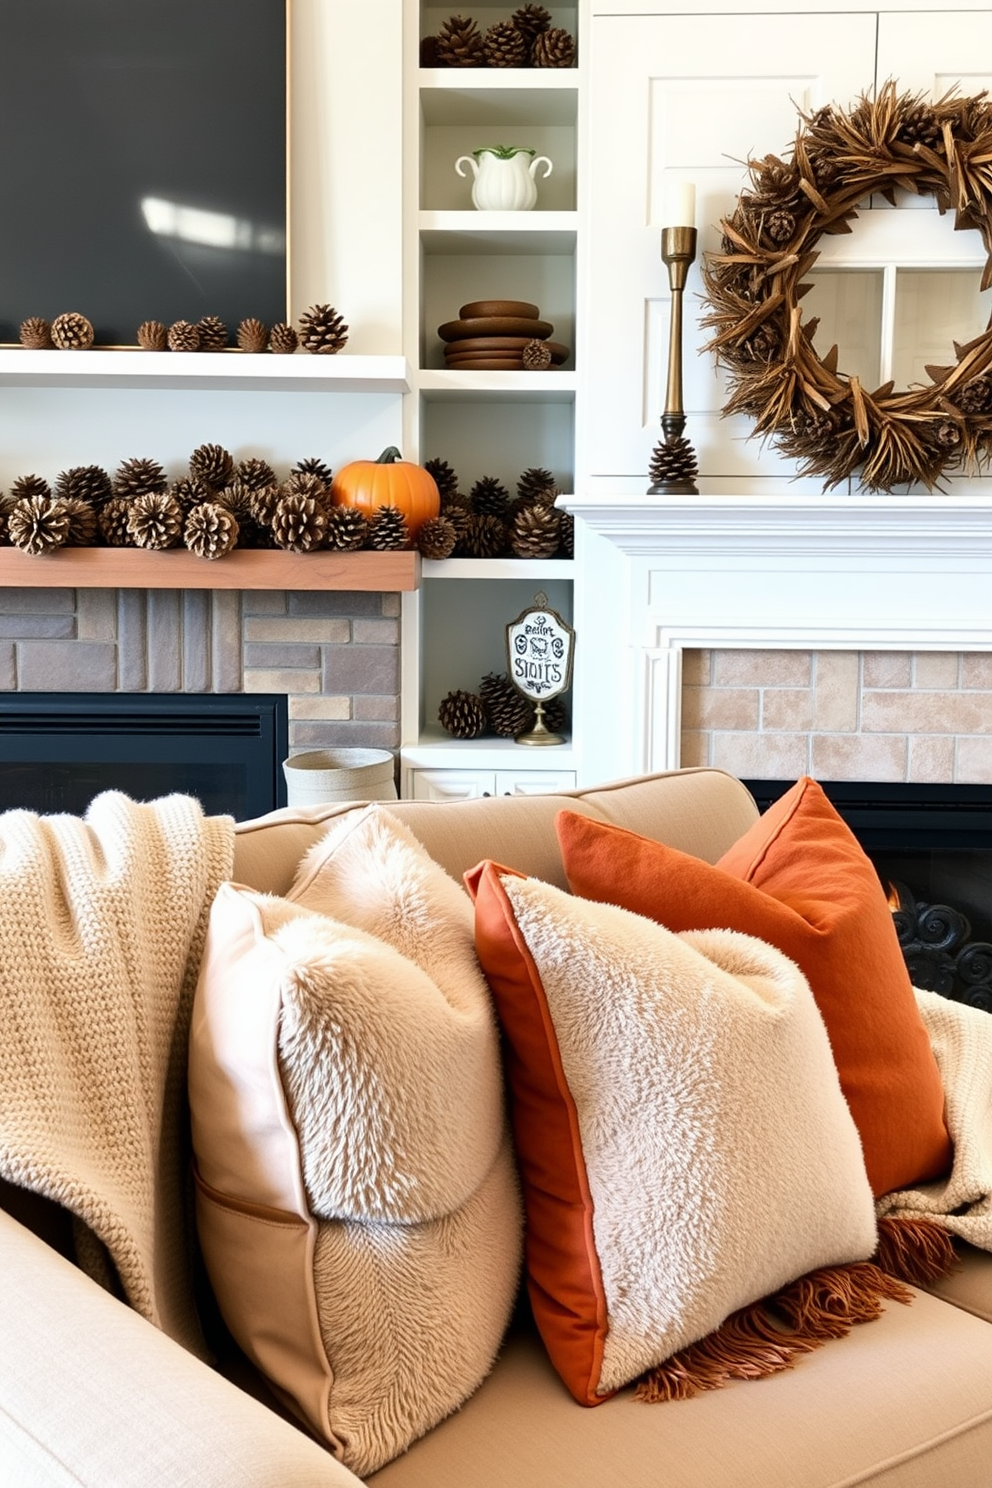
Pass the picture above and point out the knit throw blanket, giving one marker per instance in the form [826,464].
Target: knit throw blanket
[102,922]
[960,1203]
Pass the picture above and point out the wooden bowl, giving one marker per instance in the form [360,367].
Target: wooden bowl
[494,325]
[479,308]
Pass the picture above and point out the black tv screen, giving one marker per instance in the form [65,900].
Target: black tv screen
[142,162]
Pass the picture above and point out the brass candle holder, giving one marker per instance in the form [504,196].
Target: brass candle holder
[674,459]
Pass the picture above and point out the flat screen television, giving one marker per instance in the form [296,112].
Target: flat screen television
[143,162]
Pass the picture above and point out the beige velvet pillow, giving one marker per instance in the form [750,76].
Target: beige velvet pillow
[357,1198]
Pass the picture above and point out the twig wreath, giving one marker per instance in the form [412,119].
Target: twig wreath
[815,414]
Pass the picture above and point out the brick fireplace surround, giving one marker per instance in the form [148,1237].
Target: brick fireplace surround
[336,654]
[849,637]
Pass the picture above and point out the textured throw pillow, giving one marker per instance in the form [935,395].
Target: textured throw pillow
[358,1204]
[799,879]
[683,1142]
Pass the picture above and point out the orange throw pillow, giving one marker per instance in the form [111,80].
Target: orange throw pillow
[800,880]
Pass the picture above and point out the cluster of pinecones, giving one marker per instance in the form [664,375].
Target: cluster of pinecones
[497,708]
[219,504]
[320,330]
[489,523]
[527,39]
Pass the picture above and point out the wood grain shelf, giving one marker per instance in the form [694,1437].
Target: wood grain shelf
[245,568]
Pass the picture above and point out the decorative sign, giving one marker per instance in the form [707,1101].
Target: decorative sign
[539,648]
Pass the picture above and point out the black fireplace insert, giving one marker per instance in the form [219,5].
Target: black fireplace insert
[931,845]
[59,750]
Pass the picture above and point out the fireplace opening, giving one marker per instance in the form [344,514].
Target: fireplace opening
[59,750]
[931,846]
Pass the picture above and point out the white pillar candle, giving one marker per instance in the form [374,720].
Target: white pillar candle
[680,204]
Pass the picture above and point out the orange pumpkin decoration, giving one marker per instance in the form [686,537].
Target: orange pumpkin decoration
[388,481]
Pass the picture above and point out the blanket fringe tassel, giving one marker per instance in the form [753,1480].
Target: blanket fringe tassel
[914,1248]
[770,1336]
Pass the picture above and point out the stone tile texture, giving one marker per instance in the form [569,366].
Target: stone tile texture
[840,715]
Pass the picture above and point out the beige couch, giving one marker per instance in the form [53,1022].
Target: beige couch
[92,1394]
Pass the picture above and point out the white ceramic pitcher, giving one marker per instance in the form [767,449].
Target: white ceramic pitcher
[505,177]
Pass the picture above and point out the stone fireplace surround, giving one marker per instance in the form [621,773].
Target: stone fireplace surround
[901,585]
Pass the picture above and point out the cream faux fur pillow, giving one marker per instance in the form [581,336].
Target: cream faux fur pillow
[358,1202]
[684,1144]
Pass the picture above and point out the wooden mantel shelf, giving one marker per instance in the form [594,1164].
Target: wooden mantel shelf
[245,568]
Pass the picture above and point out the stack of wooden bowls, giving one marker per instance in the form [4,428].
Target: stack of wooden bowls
[491,335]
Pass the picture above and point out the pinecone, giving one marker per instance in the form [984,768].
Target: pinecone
[283,339]
[536,532]
[189,492]
[89,483]
[112,522]
[347,529]
[25,486]
[38,524]
[553,48]
[71,332]
[813,424]
[388,529]
[764,343]
[253,335]
[137,477]
[459,43]
[299,523]
[263,503]
[462,714]
[82,522]
[155,521]
[237,497]
[779,226]
[443,476]
[976,395]
[567,534]
[536,356]
[947,435]
[322,330]
[456,510]
[921,126]
[503,46]
[254,473]
[213,464]
[213,333]
[489,497]
[437,538]
[307,483]
[153,336]
[183,336]
[35,333]
[253,516]
[776,182]
[313,466]
[429,52]
[530,21]
[673,463]
[533,481]
[483,537]
[510,713]
[210,530]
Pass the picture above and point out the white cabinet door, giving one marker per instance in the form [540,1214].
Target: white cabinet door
[673,99]
[931,52]
[452,785]
[465,785]
[533,782]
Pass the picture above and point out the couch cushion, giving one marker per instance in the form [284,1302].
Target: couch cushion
[904,1403]
[701,811]
[358,1203]
[683,1140]
[799,879]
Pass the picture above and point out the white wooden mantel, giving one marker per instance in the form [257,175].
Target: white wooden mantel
[851,573]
